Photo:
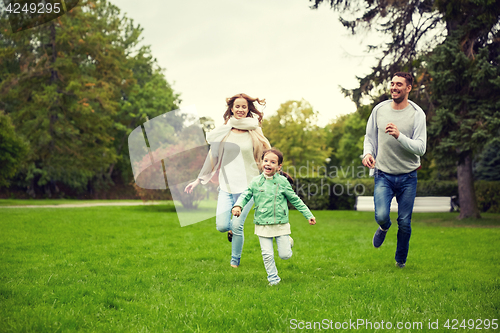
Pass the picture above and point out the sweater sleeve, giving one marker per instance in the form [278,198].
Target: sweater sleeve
[370,144]
[418,142]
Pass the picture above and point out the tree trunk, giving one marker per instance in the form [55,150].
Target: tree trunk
[466,192]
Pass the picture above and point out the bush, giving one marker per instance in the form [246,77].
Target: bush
[321,193]
[488,196]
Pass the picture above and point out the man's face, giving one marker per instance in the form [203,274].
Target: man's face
[399,89]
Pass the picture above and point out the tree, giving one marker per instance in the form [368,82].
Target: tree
[346,137]
[75,87]
[334,133]
[411,26]
[487,167]
[469,32]
[466,90]
[293,130]
[13,150]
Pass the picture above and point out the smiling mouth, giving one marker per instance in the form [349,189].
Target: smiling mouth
[267,169]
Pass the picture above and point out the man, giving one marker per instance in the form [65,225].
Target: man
[396,137]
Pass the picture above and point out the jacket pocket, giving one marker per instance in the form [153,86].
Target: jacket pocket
[283,210]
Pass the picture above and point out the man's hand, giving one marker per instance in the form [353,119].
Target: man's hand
[368,161]
[236,211]
[392,130]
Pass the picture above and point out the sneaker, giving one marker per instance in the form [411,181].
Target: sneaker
[291,242]
[401,264]
[379,237]
[274,284]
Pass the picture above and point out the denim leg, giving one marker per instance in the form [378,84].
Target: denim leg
[224,222]
[223,213]
[284,247]
[405,196]
[237,224]
[382,197]
[266,245]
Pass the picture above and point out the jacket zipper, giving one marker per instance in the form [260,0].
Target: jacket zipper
[275,195]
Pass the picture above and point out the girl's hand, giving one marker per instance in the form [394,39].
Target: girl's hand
[312,221]
[190,187]
[236,211]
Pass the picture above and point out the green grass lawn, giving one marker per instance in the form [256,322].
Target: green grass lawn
[134,269]
[57,202]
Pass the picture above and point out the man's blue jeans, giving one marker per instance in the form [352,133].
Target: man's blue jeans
[404,188]
[225,221]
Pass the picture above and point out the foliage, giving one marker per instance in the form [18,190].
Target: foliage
[335,130]
[488,196]
[294,131]
[487,167]
[13,150]
[467,92]
[351,143]
[75,88]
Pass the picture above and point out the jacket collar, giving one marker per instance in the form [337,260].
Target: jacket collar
[263,178]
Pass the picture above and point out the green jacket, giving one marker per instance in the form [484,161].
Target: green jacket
[270,197]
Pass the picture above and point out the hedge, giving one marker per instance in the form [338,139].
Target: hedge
[322,193]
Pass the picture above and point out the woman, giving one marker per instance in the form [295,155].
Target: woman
[234,159]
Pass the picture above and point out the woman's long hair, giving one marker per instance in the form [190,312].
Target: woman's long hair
[251,107]
[278,153]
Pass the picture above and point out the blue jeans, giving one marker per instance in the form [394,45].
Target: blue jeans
[224,222]
[284,251]
[404,188]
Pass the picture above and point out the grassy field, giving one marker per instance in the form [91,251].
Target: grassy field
[134,269]
[58,202]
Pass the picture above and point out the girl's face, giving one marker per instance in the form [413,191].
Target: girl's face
[240,108]
[270,164]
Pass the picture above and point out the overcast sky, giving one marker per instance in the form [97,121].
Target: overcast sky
[279,50]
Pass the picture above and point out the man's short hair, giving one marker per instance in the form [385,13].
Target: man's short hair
[407,76]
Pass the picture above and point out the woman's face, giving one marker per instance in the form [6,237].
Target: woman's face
[240,108]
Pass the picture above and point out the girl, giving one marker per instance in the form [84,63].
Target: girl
[233,160]
[271,191]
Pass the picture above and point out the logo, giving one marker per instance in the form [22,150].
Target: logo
[169,152]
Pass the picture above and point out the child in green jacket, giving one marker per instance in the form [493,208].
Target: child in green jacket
[271,191]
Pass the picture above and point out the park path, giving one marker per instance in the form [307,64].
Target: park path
[86,205]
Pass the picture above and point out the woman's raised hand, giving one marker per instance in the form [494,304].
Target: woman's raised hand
[190,187]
